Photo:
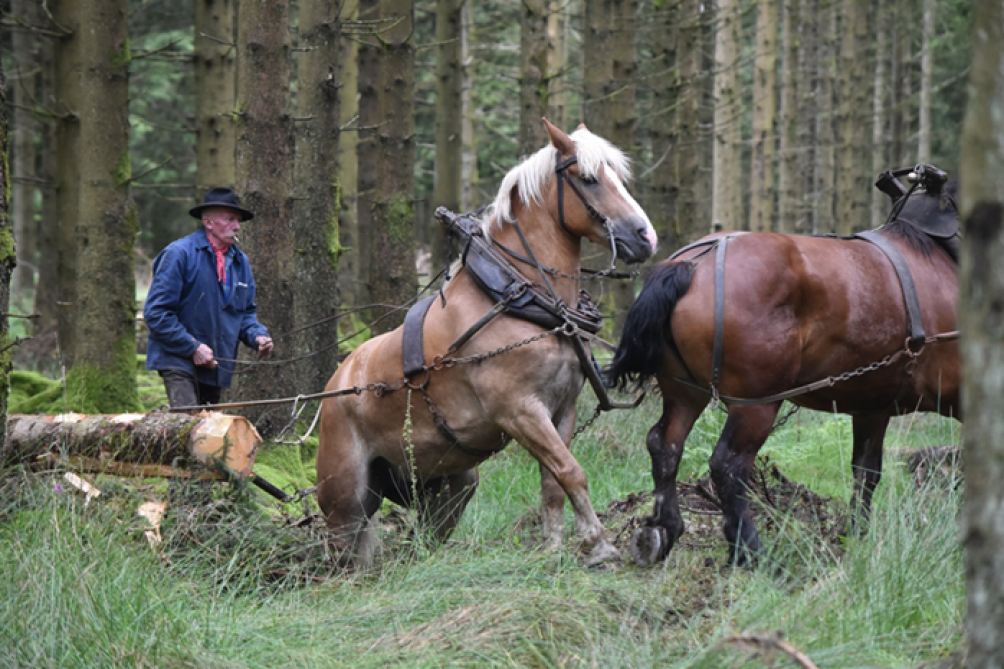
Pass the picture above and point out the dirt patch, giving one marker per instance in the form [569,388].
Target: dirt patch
[775,500]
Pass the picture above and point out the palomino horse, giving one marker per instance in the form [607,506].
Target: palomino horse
[820,321]
[527,392]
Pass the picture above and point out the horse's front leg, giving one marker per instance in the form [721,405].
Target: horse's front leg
[866,463]
[552,495]
[665,442]
[746,430]
[532,427]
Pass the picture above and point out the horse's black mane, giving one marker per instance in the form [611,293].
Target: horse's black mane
[915,236]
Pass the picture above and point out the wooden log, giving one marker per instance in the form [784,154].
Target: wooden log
[168,440]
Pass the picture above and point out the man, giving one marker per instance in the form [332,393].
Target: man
[201,304]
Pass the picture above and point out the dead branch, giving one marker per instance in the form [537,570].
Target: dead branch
[762,643]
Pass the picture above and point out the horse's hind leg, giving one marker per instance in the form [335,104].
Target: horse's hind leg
[866,463]
[665,442]
[746,430]
[443,501]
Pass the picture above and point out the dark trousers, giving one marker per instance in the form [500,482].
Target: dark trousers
[184,391]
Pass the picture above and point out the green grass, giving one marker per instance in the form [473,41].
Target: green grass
[231,586]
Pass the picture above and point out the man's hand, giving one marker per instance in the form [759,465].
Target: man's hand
[264,346]
[204,357]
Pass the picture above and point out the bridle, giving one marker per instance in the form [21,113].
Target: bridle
[559,169]
[595,213]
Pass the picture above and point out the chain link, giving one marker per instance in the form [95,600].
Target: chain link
[585,426]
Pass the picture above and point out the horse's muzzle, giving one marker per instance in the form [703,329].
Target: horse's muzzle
[633,241]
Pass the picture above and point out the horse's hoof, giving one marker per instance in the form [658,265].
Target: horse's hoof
[602,554]
[649,545]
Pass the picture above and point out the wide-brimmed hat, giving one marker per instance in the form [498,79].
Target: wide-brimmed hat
[220,196]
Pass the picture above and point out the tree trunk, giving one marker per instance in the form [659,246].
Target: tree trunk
[981,294]
[449,119]
[901,149]
[609,65]
[110,441]
[103,378]
[598,83]
[823,190]
[533,75]
[369,54]
[726,200]
[764,111]
[393,276]
[68,85]
[880,201]
[46,291]
[557,58]
[25,128]
[469,150]
[7,262]
[790,193]
[265,177]
[926,83]
[318,184]
[624,117]
[808,110]
[215,95]
[348,174]
[663,185]
[851,103]
[691,65]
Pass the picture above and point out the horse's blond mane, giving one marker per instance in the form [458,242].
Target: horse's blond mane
[533,172]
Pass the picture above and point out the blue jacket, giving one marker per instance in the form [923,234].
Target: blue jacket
[186,306]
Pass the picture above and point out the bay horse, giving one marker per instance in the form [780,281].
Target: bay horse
[824,316]
[569,190]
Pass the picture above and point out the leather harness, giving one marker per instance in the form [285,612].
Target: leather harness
[514,295]
[916,337]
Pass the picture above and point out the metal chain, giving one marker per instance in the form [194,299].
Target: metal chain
[784,419]
[585,426]
[439,362]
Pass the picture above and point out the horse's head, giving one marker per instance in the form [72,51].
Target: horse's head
[596,205]
[579,180]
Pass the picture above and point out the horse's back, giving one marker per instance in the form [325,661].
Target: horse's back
[797,309]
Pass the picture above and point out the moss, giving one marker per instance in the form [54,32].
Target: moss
[123,171]
[332,231]
[400,216]
[92,390]
[120,59]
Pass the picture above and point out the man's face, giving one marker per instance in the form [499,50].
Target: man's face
[222,225]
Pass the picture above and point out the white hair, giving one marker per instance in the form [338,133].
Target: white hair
[529,177]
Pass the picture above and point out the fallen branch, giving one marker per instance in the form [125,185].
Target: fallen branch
[763,643]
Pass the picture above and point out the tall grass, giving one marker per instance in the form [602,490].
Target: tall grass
[80,587]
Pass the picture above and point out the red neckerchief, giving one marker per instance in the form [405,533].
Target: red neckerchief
[221,261]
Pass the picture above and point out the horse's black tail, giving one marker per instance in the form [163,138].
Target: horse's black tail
[639,353]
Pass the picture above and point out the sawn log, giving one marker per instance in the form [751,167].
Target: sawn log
[158,444]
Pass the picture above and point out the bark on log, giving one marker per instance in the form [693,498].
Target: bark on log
[167,439]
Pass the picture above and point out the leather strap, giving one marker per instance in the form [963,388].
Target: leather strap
[716,352]
[412,342]
[914,324]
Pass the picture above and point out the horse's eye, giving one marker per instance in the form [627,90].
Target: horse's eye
[589,181]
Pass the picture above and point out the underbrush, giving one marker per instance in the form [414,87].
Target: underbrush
[237,581]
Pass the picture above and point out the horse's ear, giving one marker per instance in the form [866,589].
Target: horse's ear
[559,140]
[582,126]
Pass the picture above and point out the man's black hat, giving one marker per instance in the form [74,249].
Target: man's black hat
[220,196]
